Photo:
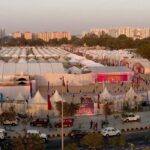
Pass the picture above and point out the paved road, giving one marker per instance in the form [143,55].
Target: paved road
[137,138]
[84,123]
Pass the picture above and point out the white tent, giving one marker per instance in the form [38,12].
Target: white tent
[22,60]
[73,62]
[130,95]
[56,98]
[38,105]
[105,95]
[52,60]
[132,98]
[62,60]
[74,70]
[32,60]
[38,99]
[20,97]
[31,56]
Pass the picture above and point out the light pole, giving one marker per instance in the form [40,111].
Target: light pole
[62,124]
[62,115]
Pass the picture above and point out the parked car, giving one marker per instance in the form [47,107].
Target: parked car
[66,123]
[44,122]
[37,132]
[77,133]
[22,115]
[129,117]
[2,134]
[2,130]
[110,131]
[10,122]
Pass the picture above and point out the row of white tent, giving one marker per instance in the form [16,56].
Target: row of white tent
[112,55]
[116,57]
[28,52]
[38,104]
[79,60]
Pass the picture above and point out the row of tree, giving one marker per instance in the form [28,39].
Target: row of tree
[122,42]
[9,41]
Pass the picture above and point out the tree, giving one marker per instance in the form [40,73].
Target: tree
[71,146]
[25,122]
[9,115]
[106,110]
[28,142]
[118,142]
[69,109]
[6,144]
[93,140]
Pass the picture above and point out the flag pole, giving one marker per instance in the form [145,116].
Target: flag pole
[62,119]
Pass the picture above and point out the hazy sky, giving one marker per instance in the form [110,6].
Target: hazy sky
[72,15]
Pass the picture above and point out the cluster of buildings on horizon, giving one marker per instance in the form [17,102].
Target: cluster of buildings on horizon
[45,36]
[133,32]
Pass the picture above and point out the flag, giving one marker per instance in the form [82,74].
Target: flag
[98,102]
[30,89]
[95,80]
[49,102]
[48,98]
[63,81]
[48,89]
[67,87]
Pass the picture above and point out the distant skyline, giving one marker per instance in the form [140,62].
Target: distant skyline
[74,16]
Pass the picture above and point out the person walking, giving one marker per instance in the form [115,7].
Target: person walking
[91,124]
[102,124]
[95,126]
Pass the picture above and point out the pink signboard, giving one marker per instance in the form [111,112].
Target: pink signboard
[86,109]
[112,78]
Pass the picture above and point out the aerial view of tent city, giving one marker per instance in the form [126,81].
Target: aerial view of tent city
[74,75]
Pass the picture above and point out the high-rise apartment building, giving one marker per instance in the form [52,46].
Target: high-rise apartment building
[2,33]
[27,35]
[16,35]
[135,33]
[46,36]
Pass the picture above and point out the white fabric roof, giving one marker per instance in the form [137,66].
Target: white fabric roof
[130,95]
[105,95]
[74,70]
[38,99]
[56,97]
[30,68]
[20,97]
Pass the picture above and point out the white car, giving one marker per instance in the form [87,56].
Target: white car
[128,117]
[12,123]
[2,133]
[110,131]
[37,132]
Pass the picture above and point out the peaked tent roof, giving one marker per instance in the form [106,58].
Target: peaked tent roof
[74,70]
[131,94]
[105,95]
[38,99]
[56,97]
[20,97]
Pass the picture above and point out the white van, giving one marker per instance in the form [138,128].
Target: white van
[37,132]
[2,133]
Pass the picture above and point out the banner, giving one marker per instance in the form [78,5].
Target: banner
[112,77]
[86,109]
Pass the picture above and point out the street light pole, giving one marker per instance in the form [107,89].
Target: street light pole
[62,124]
